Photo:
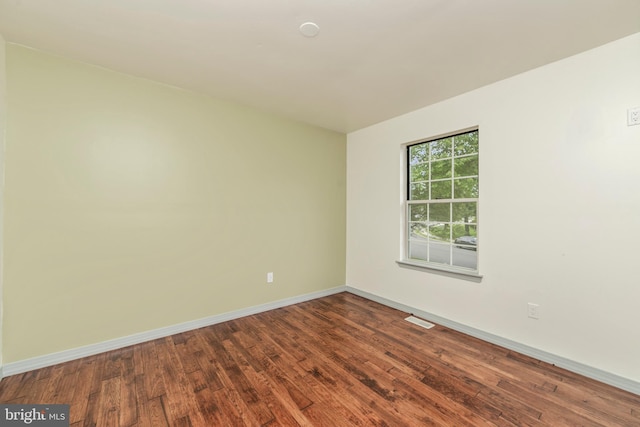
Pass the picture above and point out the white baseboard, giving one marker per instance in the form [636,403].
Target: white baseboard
[89,350]
[21,366]
[571,365]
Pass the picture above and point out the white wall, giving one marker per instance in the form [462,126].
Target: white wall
[559,209]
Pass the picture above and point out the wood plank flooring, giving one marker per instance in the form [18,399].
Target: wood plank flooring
[336,361]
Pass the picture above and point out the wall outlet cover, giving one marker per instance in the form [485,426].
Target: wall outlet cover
[633,116]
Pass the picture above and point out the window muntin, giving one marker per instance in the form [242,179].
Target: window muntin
[442,201]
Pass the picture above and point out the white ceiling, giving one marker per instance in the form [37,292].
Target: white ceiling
[372,60]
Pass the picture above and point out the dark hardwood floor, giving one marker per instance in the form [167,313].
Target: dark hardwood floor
[336,361]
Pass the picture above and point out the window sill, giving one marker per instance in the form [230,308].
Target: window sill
[449,271]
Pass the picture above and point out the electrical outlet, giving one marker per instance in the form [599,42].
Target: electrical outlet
[269,277]
[533,310]
[633,116]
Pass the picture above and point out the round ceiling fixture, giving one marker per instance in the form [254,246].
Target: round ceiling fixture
[309,29]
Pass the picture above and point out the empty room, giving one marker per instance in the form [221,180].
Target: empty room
[319,213]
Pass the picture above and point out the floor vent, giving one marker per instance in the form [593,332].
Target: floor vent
[420,322]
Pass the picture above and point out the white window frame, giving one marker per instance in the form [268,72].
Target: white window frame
[406,202]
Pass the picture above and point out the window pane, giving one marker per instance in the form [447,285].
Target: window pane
[420,172]
[465,258]
[464,212]
[418,212]
[418,230]
[418,154]
[464,234]
[441,190]
[418,249]
[465,188]
[440,252]
[466,166]
[419,191]
[464,246]
[441,148]
[441,169]
[439,212]
[466,144]
[440,232]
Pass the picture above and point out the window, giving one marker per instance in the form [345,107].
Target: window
[442,202]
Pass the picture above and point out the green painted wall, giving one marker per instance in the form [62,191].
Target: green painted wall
[3,122]
[131,206]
